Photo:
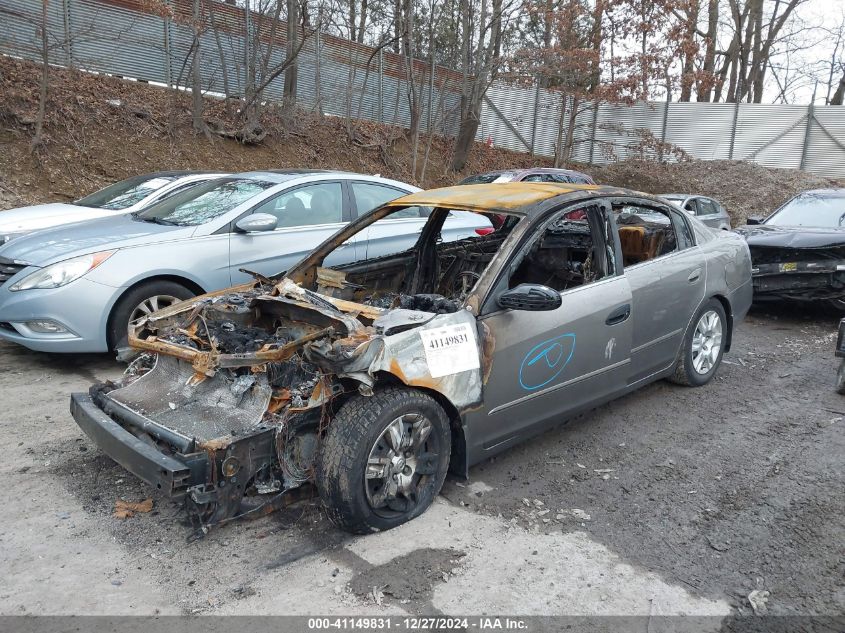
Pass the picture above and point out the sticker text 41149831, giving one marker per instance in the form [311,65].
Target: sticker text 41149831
[450,349]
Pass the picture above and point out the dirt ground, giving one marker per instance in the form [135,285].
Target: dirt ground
[670,500]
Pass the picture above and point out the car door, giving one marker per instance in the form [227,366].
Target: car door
[666,275]
[547,364]
[307,215]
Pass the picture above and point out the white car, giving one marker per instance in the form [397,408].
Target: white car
[126,196]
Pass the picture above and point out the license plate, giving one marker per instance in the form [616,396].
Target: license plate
[788,267]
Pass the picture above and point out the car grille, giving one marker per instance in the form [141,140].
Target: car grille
[8,269]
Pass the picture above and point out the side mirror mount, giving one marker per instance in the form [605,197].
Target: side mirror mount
[754,219]
[257,223]
[530,297]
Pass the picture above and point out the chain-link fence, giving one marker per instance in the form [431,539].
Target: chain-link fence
[130,38]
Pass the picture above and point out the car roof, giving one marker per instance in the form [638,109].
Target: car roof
[507,197]
[679,195]
[831,191]
[283,175]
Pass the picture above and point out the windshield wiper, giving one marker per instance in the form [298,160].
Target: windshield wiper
[137,216]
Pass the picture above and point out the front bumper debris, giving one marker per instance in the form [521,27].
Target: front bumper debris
[166,473]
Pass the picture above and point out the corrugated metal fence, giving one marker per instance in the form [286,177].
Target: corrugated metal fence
[338,77]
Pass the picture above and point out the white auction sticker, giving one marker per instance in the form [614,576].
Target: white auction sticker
[450,349]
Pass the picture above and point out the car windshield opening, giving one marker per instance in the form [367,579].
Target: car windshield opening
[126,193]
[205,202]
[432,269]
[812,209]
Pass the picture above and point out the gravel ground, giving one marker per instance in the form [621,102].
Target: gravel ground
[690,497]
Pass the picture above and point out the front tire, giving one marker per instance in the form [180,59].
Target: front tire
[703,346]
[144,299]
[383,459]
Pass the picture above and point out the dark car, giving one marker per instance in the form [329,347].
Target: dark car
[540,174]
[370,379]
[798,251]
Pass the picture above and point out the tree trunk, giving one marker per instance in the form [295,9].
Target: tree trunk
[45,79]
[839,94]
[362,21]
[292,71]
[196,76]
[705,91]
[689,53]
[466,136]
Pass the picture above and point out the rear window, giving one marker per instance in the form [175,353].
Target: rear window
[484,179]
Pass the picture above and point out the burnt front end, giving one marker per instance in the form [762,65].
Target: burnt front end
[798,274]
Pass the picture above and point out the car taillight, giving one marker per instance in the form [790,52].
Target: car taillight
[485,231]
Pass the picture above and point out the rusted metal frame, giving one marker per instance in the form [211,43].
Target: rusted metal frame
[272,355]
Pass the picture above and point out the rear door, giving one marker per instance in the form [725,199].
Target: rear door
[547,364]
[666,274]
[307,215]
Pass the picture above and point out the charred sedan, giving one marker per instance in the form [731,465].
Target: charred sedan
[371,379]
[799,251]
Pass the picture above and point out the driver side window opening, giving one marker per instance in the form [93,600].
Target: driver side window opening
[570,252]
[645,233]
[320,203]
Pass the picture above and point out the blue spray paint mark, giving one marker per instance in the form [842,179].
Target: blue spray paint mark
[545,361]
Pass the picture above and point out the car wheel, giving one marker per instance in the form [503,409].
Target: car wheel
[703,346]
[383,459]
[837,305]
[142,300]
[840,378]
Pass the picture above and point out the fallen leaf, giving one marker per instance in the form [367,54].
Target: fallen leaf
[125,509]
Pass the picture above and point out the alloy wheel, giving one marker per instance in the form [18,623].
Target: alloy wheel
[152,304]
[400,463]
[707,342]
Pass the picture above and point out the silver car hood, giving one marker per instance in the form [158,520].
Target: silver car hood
[72,240]
[42,216]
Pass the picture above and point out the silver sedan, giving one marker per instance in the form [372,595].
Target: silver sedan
[706,210]
[76,288]
[126,196]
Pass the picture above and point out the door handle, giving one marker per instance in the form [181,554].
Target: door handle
[618,315]
[694,276]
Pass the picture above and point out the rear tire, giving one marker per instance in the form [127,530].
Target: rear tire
[703,347]
[141,300]
[365,483]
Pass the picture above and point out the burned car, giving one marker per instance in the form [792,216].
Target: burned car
[369,380]
[798,251]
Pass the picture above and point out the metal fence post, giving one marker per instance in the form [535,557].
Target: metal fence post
[68,39]
[318,52]
[168,72]
[380,85]
[807,130]
[733,130]
[536,111]
[593,133]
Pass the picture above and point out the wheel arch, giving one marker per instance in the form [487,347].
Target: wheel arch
[458,464]
[726,305]
[183,281]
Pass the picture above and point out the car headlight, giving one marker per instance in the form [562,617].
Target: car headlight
[61,273]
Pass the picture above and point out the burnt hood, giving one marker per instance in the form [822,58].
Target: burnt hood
[767,235]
